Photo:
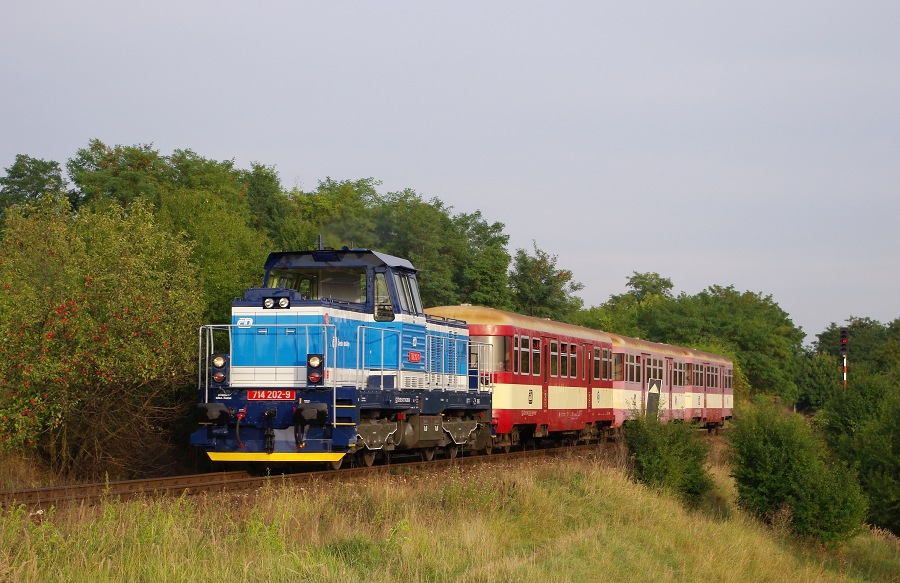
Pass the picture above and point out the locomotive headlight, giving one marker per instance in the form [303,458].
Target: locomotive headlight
[314,361]
[284,303]
[269,303]
[218,361]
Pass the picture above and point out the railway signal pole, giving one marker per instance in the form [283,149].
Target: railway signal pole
[844,349]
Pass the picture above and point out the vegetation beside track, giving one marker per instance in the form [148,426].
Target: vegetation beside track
[563,519]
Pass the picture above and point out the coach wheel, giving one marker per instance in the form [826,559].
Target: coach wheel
[428,454]
[452,451]
[367,457]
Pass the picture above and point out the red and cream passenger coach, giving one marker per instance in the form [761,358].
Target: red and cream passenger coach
[555,379]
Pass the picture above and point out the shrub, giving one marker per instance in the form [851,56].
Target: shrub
[781,470]
[670,456]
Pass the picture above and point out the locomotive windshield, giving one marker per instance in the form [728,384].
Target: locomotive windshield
[344,285]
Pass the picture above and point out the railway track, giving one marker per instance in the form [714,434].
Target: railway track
[90,494]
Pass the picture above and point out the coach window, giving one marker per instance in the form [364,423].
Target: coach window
[729,378]
[573,360]
[607,364]
[563,360]
[597,364]
[678,372]
[526,355]
[516,354]
[698,375]
[618,370]
[499,350]
[554,356]
[536,356]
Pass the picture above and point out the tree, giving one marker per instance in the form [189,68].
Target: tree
[422,231]
[482,276]
[629,313]
[819,380]
[228,253]
[866,337]
[269,206]
[764,340]
[120,174]
[28,179]
[540,289]
[98,317]
[340,211]
[646,285]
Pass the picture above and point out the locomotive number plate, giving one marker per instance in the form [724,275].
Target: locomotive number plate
[270,395]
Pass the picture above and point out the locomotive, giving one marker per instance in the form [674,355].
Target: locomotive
[334,359]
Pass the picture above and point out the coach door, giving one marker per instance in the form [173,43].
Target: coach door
[545,374]
[667,388]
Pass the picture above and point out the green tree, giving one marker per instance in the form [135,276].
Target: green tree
[819,381]
[629,313]
[765,341]
[121,174]
[340,211]
[228,253]
[866,337]
[98,319]
[540,289]
[269,205]
[482,276]
[28,179]
[422,231]
[646,285]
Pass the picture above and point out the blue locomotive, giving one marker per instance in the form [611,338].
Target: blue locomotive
[332,360]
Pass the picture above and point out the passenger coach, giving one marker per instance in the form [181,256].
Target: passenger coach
[555,379]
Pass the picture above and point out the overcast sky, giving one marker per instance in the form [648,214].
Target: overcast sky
[754,144]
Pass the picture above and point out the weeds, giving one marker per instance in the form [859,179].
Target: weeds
[561,520]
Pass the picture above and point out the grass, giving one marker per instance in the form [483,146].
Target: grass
[575,519]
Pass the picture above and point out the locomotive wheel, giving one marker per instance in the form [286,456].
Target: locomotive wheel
[506,448]
[336,465]
[428,454]
[452,451]
[367,457]
[488,449]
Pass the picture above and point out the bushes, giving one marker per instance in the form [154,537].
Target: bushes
[669,456]
[782,472]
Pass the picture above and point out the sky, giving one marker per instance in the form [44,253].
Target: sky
[753,144]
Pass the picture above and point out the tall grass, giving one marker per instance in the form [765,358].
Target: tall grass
[573,519]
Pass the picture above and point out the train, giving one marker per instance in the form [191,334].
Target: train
[334,360]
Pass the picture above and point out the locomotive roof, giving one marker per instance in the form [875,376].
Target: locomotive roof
[335,258]
[483,316]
